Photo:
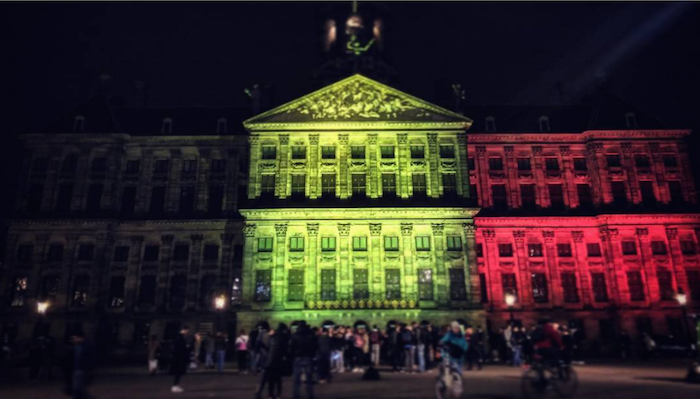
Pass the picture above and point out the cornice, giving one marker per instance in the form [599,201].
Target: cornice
[588,221]
[583,137]
[364,214]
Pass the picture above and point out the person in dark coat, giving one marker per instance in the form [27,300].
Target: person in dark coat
[274,363]
[324,356]
[181,358]
[303,349]
[83,361]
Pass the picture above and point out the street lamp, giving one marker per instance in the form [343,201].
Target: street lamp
[42,307]
[220,302]
[510,301]
[683,302]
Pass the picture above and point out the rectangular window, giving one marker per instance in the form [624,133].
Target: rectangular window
[688,247]
[357,152]
[238,256]
[527,194]
[473,193]
[505,250]
[70,164]
[211,252]
[298,152]
[564,250]
[128,200]
[454,243]
[483,287]
[65,195]
[647,189]
[49,289]
[267,185]
[449,184]
[391,243]
[298,186]
[215,202]
[55,253]
[613,160]
[393,284]
[422,243]
[296,244]
[178,290]
[263,285]
[147,291]
[360,284]
[636,286]
[151,253]
[328,152]
[99,165]
[509,285]
[471,165]
[19,292]
[419,185]
[181,253]
[387,151]
[551,164]
[35,197]
[121,254]
[658,248]
[670,161]
[328,185]
[585,198]
[207,291]
[133,166]
[666,290]
[328,285]
[600,287]
[189,166]
[328,244]
[218,166]
[524,164]
[593,250]
[417,152]
[24,253]
[458,287]
[94,198]
[161,167]
[642,161]
[40,165]
[86,252]
[295,285]
[540,289]
[629,248]
[116,292]
[447,151]
[534,250]
[479,250]
[499,196]
[79,295]
[495,164]
[268,152]
[619,193]
[359,243]
[186,200]
[694,284]
[580,165]
[569,286]
[157,200]
[265,244]
[556,196]
[425,284]
[675,189]
[359,185]
[388,185]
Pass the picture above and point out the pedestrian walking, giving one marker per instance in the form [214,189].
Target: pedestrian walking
[517,338]
[153,353]
[181,358]
[209,351]
[242,352]
[220,344]
[337,355]
[303,349]
[454,347]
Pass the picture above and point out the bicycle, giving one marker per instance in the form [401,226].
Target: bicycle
[542,378]
[448,384]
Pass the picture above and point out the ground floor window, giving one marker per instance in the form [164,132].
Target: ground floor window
[540,291]
[295,287]
[328,285]
[665,285]
[178,290]
[600,288]
[636,286]
[360,281]
[263,285]
[425,284]
[509,285]
[393,284]
[458,288]
[569,286]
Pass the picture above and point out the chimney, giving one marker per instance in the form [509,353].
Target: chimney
[563,91]
[139,93]
[104,83]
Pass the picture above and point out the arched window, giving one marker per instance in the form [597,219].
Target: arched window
[631,120]
[167,127]
[221,126]
[79,123]
[544,123]
[490,124]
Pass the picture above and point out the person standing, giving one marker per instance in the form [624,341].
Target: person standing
[83,363]
[517,338]
[209,351]
[181,358]
[422,340]
[220,343]
[337,344]
[303,349]
[242,352]
[274,363]
[324,356]
[375,339]
[625,345]
[408,340]
[153,349]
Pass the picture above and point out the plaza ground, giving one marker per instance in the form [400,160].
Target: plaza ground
[661,379]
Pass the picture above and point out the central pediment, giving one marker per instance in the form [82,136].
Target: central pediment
[357,103]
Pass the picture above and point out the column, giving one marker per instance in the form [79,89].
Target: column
[253,173]
[659,172]
[342,179]
[493,268]
[441,274]
[569,180]
[131,285]
[248,266]
[311,273]
[472,268]
[511,169]
[41,240]
[408,270]
[581,257]
[554,280]
[279,273]
[172,197]
[375,263]
[312,167]
[143,190]
[193,291]
[80,186]
[648,268]
[343,273]
[373,169]
[614,266]
[686,168]
[541,186]
[462,160]
[674,249]
[403,179]
[164,272]
[226,268]
[482,167]
[523,270]
[433,160]
[283,170]
[600,181]
[628,166]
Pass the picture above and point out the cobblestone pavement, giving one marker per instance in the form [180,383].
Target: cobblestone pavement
[660,380]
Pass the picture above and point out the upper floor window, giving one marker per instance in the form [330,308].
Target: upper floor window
[211,252]
[167,127]
[593,249]
[670,161]
[534,250]
[161,166]
[151,253]
[296,244]
[552,164]
[449,183]
[182,252]
[524,164]
[189,166]
[471,164]
[327,244]
[387,151]
[24,253]
[658,248]
[417,151]
[631,120]
[298,152]
[688,247]
[495,164]
[265,244]
[391,243]
[490,124]
[613,160]
[357,152]
[221,126]
[447,151]
[40,165]
[328,152]
[454,243]
[70,163]
[86,252]
[564,250]
[99,165]
[79,123]
[218,165]
[580,164]
[423,243]
[359,243]
[269,152]
[505,250]
[544,123]
[133,166]
[641,160]
[629,248]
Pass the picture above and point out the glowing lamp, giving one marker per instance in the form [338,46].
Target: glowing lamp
[682,298]
[510,300]
[42,307]
[220,302]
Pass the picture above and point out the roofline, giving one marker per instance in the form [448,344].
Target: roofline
[587,135]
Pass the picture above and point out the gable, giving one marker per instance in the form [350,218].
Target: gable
[357,103]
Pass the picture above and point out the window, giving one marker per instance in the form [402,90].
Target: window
[357,152]
[593,250]
[540,290]
[167,126]
[298,152]
[79,296]
[425,284]
[161,167]
[359,185]
[636,286]
[147,291]
[505,250]
[181,253]
[670,161]
[658,248]
[189,166]
[694,284]
[509,285]
[387,151]
[328,284]
[328,244]
[631,120]
[687,247]
[328,185]
[524,164]
[556,196]
[187,200]
[642,160]
[527,195]
[449,184]
[49,288]
[544,123]
[458,287]
[647,189]
[215,202]
[551,164]
[359,243]
[473,193]
[388,185]
[393,284]
[99,165]
[419,185]
[296,244]
[568,285]
[267,185]
[157,200]
[211,253]
[298,186]
[265,244]
[268,152]
[499,196]
[19,292]
[70,164]
[534,250]
[585,198]
[676,191]
[454,243]
[391,243]
[65,195]
[295,285]
[471,164]
[121,254]
[422,243]
[619,193]
[86,252]
[629,248]
[24,253]
[447,151]
[94,198]
[495,164]
[237,255]
[221,126]
[490,124]
[479,250]
[207,291]
[328,152]
[178,290]
[417,152]
[580,164]
[218,165]
[55,253]
[360,281]
[35,197]
[600,287]
[263,285]
[236,289]
[151,253]
[128,205]
[40,166]
[483,287]
[116,292]
[666,290]
[564,250]
[613,160]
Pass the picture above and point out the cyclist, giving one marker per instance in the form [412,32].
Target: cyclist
[548,344]
[454,347]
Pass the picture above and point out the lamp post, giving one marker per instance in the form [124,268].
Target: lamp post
[510,301]
[683,302]
[219,305]
[42,307]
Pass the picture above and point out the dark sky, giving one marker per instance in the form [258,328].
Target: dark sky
[205,53]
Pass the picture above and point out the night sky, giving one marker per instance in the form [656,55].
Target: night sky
[201,54]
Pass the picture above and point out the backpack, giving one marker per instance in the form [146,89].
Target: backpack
[537,335]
